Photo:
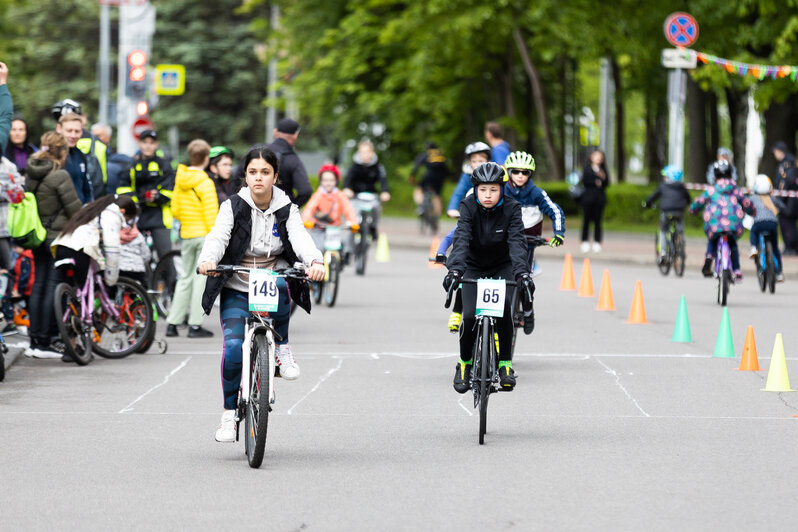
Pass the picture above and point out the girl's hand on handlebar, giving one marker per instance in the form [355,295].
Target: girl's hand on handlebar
[349,193]
[205,266]
[385,196]
[316,271]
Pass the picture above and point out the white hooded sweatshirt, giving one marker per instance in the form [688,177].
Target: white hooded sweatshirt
[265,243]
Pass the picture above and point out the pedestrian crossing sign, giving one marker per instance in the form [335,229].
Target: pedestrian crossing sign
[170,80]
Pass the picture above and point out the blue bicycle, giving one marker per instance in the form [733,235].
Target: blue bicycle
[766,263]
[723,268]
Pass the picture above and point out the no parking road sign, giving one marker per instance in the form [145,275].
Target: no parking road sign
[681,29]
[170,80]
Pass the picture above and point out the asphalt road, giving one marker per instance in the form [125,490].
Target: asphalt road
[611,427]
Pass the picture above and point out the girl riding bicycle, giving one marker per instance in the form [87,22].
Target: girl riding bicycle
[724,206]
[766,220]
[488,243]
[94,234]
[258,227]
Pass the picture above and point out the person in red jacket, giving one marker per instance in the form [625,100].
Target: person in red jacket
[20,284]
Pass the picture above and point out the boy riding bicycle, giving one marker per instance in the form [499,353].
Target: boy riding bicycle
[488,243]
[724,207]
[673,200]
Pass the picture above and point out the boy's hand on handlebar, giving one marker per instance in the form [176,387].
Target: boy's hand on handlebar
[556,241]
[316,271]
[453,213]
[205,266]
[452,278]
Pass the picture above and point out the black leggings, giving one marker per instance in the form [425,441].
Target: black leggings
[41,303]
[593,213]
[504,325]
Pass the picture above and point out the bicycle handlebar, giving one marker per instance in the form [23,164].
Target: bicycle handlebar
[227,269]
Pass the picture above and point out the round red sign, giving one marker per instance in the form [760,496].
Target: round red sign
[140,125]
[681,29]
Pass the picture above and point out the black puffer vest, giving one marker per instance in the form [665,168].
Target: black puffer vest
[237,247]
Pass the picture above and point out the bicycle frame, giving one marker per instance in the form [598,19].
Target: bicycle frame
[723,256]
[763,261]
[86,296]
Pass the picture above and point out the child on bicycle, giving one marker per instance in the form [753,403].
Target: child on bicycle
[93,234]
[766,220]
[673,200]
[534,202]
[724,207]
[477,153]
[329,205]
[257,227]
[488,243]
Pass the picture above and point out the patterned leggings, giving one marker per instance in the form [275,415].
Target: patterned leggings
[234,314]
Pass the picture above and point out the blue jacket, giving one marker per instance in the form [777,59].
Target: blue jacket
[460,191]
[500,152]
[531,195]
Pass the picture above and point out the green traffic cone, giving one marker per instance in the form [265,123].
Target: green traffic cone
[681,331]
[724,346]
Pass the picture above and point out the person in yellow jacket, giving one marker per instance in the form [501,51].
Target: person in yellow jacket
[194,203]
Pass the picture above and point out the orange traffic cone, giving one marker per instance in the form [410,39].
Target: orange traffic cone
[637,314]
[568,282]
[586,281]
[433,251]
[606,301]
[749,362]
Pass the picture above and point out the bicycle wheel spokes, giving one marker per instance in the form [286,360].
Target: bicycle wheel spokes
[257,418]
[126,324]
[70,326]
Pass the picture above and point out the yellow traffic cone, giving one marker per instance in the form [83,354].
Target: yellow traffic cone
[383,255]
[777,373]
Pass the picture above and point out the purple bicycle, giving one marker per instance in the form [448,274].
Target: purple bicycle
[110,321]
[723,268]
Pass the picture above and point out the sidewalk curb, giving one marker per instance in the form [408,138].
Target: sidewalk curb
[13,354]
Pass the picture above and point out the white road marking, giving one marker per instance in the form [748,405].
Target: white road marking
[460,402]
[321,379]
[422,354]
[618,382]
[129,407]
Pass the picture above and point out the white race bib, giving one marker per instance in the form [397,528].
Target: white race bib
[263,293]
[490,297]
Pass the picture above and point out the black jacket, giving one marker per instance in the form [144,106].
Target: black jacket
[156,174]
[594,192]
[674,197]
[292,173]
[364,178]
[238,245]
[488,240]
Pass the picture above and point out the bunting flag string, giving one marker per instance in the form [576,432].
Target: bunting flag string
[748,69]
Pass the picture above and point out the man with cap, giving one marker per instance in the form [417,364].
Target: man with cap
[150,182]
[787,179]
[293,176]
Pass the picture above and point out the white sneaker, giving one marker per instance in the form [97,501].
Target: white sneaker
[753,252]
[46,352]
[779,277]
[226,433]
[285,361]
[585,247]
[596,247]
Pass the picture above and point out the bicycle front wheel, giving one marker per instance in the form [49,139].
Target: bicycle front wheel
[361,249]
[257,411]
[70,325]
[723,287]
[486,341]
[331,286]
[119,335]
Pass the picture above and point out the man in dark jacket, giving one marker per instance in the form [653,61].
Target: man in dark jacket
[787,179]
[293,176]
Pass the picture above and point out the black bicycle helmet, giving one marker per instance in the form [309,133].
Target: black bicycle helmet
[722,169]
[488,173]
[66,106]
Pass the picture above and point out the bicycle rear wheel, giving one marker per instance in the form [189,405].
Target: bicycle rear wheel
[77,343]
[257,410]
[723,287]
[164,280]
[770,271]
[331,286]
[678,254]
[486,341]
[662,257]
[361,248]
[117,337]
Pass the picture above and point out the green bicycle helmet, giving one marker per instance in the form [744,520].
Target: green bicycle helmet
[521,160]
[217,151]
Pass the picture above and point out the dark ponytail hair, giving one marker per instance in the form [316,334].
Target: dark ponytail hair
[92,210]
[258,151]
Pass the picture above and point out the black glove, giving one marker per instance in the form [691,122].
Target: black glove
[440,258]
[452,278]
[526,285]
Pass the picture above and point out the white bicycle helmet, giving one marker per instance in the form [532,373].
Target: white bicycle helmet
[762,184]
[477,147]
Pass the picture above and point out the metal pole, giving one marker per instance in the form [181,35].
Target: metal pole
[676,95]
[105,69]
[271,110]
[607,114]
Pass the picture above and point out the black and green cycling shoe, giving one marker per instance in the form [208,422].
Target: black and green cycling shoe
[462,377]
[507,378]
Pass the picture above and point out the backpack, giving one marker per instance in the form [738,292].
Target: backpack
[24,224]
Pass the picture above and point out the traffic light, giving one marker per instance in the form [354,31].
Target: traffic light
[142,108]
[136,73]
